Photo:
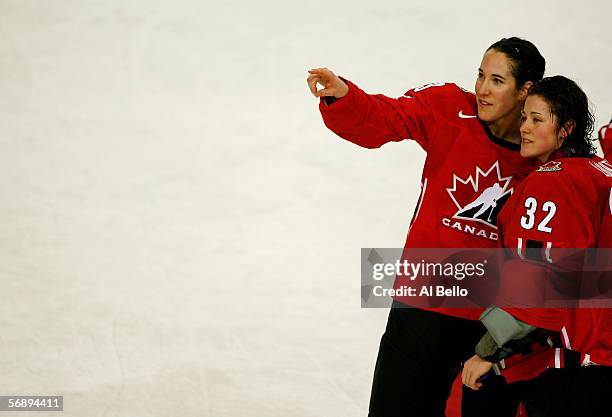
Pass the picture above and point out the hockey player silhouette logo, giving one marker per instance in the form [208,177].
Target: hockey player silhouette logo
[480,196]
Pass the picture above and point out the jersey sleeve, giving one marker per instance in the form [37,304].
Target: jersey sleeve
[371,120]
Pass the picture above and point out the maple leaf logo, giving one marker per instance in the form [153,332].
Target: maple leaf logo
[481,196]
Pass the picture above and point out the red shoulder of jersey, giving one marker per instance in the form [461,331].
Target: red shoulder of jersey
[446,100]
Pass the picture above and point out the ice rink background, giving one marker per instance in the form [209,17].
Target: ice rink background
[179,233]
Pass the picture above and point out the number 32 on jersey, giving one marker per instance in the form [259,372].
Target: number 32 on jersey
[532,206]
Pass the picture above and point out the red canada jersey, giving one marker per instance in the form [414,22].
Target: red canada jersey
[595,341]
[589,330]
[564,204]
[468,173]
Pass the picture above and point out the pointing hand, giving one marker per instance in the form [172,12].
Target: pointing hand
[331,83]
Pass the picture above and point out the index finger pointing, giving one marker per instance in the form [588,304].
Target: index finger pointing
[320,71]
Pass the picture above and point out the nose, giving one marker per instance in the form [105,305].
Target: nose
[482,88]
[524,127]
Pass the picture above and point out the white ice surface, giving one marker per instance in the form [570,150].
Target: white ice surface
[179,232]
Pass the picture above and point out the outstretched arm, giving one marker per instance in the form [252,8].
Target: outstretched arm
[371,120]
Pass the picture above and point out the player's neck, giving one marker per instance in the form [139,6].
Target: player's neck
[506,128]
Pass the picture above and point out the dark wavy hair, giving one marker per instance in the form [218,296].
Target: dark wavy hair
[526,62]
[569,105]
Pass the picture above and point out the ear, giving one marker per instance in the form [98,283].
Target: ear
[567,129]
[524,90]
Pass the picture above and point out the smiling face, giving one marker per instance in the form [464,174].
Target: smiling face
[540,135]
[498,99]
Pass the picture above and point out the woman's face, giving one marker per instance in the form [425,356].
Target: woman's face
[540,135]
[496,92]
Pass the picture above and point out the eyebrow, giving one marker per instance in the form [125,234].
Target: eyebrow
[493,75]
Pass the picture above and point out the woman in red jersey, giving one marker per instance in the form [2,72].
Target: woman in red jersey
[469,139]
[564,204]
